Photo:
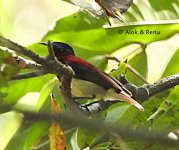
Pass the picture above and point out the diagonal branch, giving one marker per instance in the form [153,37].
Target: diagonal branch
[20,61]
[163,84]
[20,49]
[27,75]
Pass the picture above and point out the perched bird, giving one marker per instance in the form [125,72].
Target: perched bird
[89,81]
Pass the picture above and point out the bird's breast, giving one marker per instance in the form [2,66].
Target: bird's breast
[83,88]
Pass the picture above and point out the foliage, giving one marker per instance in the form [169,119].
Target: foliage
[130,40]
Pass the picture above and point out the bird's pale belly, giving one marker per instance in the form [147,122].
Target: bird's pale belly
[83,88]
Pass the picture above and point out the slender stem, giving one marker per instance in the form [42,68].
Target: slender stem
[130,68]
[27,75]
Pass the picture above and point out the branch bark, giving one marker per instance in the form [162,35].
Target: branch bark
[27,75]
[96,125]
[163,84]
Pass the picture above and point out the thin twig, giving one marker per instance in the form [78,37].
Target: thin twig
[130,68]
[27,75]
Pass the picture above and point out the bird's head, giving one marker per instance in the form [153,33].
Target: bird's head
[61,49]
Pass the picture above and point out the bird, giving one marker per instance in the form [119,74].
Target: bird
[88,80]
[108,9]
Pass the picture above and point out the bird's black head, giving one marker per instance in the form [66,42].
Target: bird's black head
[63,49]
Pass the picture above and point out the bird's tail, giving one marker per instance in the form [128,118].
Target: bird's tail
[130,100]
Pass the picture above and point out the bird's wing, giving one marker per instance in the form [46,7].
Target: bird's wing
[117,84]
[130,100]
[86,71]
[123,93]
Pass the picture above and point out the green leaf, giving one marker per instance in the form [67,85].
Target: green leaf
[77,22]
[122,66]
[152,10]
[115,112]
[167,104]
[83,137]
[92,40]
[74,141]
[28,135]
[134,118]
[102,146]
[39,49]
[100,61]
[168,116]
[10,123]
[167,10]
[16,89]
[139,63]
[45,92]
[173,65]
[27,102]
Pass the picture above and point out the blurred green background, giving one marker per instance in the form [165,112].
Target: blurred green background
[29,22]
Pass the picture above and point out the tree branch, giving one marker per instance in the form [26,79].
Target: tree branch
[163,84]
[20,61]
[96,125]
[27,75]
[144,92]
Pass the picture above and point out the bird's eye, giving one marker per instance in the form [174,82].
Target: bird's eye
[62,49]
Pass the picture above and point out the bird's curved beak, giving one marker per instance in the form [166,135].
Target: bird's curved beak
[43,43]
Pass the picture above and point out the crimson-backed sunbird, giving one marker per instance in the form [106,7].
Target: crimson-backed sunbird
[89,81]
